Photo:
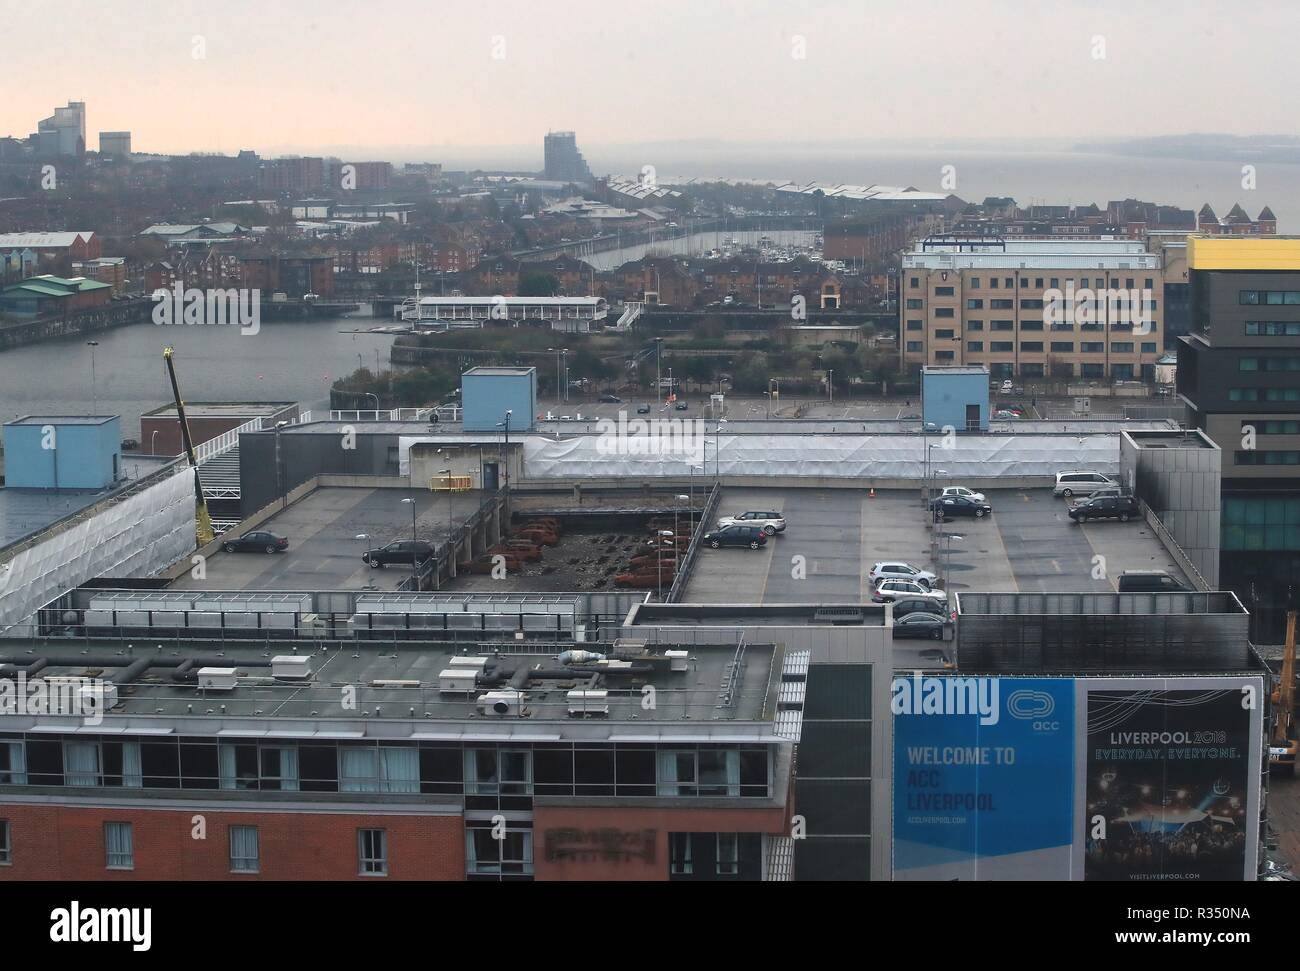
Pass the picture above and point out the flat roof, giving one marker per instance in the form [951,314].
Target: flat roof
[222,409]
[324,551]
[1190,438]
[1028,545]
[401,681]
[63,420]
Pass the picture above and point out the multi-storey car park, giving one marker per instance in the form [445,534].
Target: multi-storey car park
[753,717]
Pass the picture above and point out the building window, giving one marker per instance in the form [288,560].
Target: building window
[1031,325]
[914,325]
[728,854]
[1001,304]
[1031,304]
[13,767]
[1271,427]
[1148,348]
[1092,347]
[914,303]
[385,768]
[943,291]
[974,325]
[974,283]
[914,347]
[681,859]
[244,855]
[119,848]
[974,304]
[702,772]
[492,772]
[944,356]
[1272,328]
[1267,458]
[943,311]
[1001,347]
[946,334]
[1121,347]
[102,764]
[1031,347]
[914,282]
[6,845]
[1063,347]
[372,852]
[509,855]
[975,347]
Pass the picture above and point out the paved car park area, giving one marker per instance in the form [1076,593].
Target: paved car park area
[324,552]
[834,536]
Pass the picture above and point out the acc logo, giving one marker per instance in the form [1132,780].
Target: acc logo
[1033,705]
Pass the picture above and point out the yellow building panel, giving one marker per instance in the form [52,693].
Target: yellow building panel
[1242,253]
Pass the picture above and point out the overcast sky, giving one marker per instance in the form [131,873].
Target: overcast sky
[392,76]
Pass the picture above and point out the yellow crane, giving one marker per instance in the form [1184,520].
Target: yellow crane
[202,521]
[1282,742]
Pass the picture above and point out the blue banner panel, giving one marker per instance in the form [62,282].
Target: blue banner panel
[983,777]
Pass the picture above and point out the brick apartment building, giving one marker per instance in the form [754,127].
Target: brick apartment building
[27,254]
[502,275]
[293,174]
[292,275]
[985,300]
[217,783]
[859,242]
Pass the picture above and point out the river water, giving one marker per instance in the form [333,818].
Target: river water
[284,361]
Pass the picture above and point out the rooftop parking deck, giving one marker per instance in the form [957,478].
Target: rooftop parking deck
[324,551]
[834,536]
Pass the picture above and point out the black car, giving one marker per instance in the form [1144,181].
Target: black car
[611,399]
[259,541]
[913,605]
[950,506]
[919,624]
[402,553]
[736,535]
[643,409]
[1122,508]
[682,406]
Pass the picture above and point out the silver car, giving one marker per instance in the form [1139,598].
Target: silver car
[1082,483]
[897,570]
[769,522]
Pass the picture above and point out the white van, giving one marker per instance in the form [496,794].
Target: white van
[1080,483]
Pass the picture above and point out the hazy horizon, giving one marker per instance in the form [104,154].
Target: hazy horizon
[403,80]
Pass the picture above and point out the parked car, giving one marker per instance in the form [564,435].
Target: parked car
[1148,581]
[258,541]
[894,589]
[1111,506]
[963,492]
[948,507]
[919,624]
[611,399]
[911,605]
[1006,387]
[682,406]
[643,409]
[402,553]
[1005,414]
[737,535]
[770,522]
[1077,482]
[897,570]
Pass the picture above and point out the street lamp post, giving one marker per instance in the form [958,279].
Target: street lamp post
[94,397]
[450,527]
[371,394]
[505,455]
[659,557]
[694,469]
[947,563]
[830,385]
[415,567]
[659,343]
[717,450]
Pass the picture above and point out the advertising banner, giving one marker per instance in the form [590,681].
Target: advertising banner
[1172,778]
[983,778]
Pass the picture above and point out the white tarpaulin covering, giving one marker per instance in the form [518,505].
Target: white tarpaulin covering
[669,448]
[135,537]
[839,456]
